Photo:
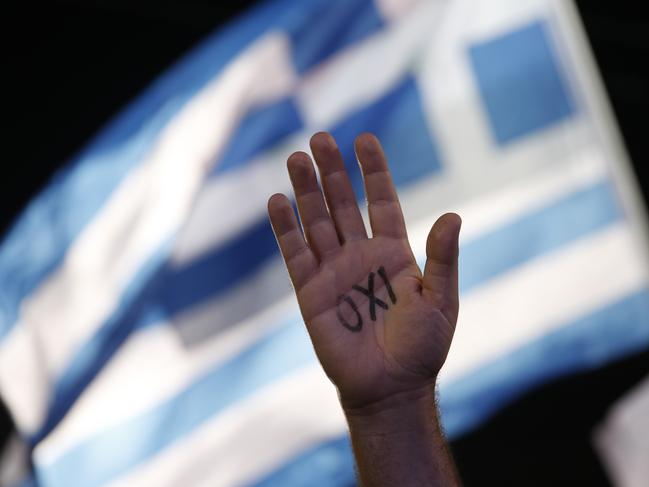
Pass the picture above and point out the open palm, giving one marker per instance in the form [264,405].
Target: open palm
[379,327]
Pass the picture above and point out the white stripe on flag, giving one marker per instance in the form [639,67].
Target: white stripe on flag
[251,439]
[543,294]
[145,211]
[482,214]
[213,220]
[151,367]
[360,74]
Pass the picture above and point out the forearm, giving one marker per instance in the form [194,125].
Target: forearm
[399,442]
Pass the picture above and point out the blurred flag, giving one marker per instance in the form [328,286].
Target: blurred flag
[149,335]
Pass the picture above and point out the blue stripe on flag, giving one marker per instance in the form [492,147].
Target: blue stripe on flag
[219,270]
[602,336]
[537,233]
[138,307]
[520,82]
[616,330]
[258,131]
[124,446]
[328,464]
[155,295]
[394,118]
[329,27]
[55,218]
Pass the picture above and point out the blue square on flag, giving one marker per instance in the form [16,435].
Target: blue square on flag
[520,83]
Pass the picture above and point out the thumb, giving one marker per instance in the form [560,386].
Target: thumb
[440,283]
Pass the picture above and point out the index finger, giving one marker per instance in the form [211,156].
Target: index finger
[298,257]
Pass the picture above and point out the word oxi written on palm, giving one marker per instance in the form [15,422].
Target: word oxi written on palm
[373,301]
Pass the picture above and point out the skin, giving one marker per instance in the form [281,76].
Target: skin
[386,371]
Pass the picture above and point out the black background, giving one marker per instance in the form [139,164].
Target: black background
[72,65]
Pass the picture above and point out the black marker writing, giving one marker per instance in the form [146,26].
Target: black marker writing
[373,300]
[369,292]
[384,276]
[359,319]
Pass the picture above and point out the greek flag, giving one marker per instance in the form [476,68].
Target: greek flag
[148,331]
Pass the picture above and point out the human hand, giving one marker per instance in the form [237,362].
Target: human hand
[379,327]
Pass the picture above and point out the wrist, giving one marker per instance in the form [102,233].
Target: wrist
[398,441]
[406,413]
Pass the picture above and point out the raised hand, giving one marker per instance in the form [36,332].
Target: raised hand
[379,328]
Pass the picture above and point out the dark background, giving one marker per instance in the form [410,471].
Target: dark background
[72,65]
